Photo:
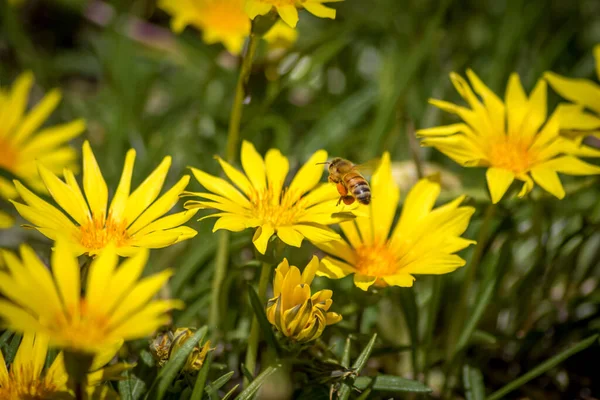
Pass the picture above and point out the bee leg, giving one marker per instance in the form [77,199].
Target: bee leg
[347,200]
[342,189]
[339,201]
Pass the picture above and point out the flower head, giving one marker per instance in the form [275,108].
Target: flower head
[299,211]
[508,138]
[22,142]
[26,378]
[116,305]
[585,94]
[133,220]
[288,9]
[166,345]
[220,20]
[296,313]
[423,241]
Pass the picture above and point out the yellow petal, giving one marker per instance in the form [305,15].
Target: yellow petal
[516,104]
[231,223]
[235,176]
[168,222]
[254,166]
[340,249]
[159,239]
[220,187]
[419,202]
[290,236]
[19,319]
[311,269]
[262,236]
[147,192]
[460,148]
[446,130]
[99,276]
[493,104]
[256,7]
[548,180]
[536,113]
[334,269]
[570,165]
[94,185]
[50,138]
[119,201]
[289,14]
[66,274]
[363,282]
[65,196]
[36,117]
[277,169]
[17,101]
[316,8]
[317,234]
[498,180]
[402,280]
[385,198]
[6,220]
[580,91]
[309,175]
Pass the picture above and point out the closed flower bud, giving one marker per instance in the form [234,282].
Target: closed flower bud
[164,346]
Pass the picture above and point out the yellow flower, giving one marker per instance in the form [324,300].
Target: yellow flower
[585,94]
[300,211]
[281,36]
[220,20]
[508,138]
[288,9]
[22,142]
[133,220]
[294,312]
[26,378]
[423,241]
[116,306]
[166,345]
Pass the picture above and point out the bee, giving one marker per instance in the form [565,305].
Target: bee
[351,185]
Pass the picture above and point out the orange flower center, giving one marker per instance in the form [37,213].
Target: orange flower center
[9,157]
[512,155]
[376,259]
[97,233]
[25,383]
[86,329]
[226,17]
[277,209]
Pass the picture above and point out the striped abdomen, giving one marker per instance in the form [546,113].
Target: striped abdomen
[358,186]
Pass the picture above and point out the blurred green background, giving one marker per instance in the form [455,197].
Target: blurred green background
[356,86]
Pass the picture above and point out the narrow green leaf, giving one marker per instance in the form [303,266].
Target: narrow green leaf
[247,374]
[201,378]
[543,367]
[249,392]
[346,354]
[219,383]
[175,363]
[411,316]
[263,322]
[12,348]
[473,382]
[390,383]
[4,338]
[346,387]
[231,392]
[480,306]
[364,395]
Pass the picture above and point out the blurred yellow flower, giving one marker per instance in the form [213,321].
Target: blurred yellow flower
[25,378]
[294,312]
[288,9]
[299,211]
[585,94]
[166,345]
[423,241]
[220,20]
[281,36]
[133,220]
[508,138]
[23,143]
[116,305]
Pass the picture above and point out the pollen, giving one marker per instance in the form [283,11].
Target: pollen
[512,155]
[376,259]
[277,209]
[25,383]
[84,329]
[98,232]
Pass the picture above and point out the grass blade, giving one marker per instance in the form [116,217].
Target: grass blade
[473,382]
[251,390]
[200,383]
[263,322]
[543,367]
[358,365]
[390,383]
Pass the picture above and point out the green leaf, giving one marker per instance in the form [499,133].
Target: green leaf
[358,365]
[249,392]
[263,322]
[202,377]
[12,348]
[346,354]
[231,392]
[543,367]
[411,316]
[175,363]
[473,382]
[214,387]
[390,383]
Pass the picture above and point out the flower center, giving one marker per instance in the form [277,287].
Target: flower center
[276,209]
[25,384]
[87,329]
[226,17]
[97,233]
[512,155]
[9,157]
[376,260]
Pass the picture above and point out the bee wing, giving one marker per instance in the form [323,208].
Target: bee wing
[369,167]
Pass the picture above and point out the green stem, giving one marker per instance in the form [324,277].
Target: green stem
[233,135]
[434,305]
[233,138]
[463,303]
[252,351]
[415,149]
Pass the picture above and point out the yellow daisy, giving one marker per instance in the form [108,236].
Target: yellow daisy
[423,241]
[585,94]
[220,20]
[508,138]
[116,305]
[299,211]
[25,378]
[288,9]
[133,220]
[296,313]
[23,143]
